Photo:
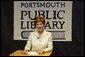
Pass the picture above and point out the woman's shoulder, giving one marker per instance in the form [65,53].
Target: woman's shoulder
[47,32]
[33,32]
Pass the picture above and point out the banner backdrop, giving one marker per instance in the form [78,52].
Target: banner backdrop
[58,15]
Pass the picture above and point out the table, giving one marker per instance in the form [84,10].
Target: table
[21,53]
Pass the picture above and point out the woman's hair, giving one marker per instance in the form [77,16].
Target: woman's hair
[39,19]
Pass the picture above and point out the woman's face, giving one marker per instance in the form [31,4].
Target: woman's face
[40,26]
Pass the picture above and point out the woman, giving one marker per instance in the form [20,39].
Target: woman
[40,40]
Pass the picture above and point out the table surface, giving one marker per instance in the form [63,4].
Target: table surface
[21,53]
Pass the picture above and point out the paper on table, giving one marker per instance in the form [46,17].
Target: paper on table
[32,53]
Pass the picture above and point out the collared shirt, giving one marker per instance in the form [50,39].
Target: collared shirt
[36,42]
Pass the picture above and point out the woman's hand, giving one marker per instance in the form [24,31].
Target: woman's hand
[41,51]
[26,51]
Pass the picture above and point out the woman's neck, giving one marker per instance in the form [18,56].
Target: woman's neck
[40,33]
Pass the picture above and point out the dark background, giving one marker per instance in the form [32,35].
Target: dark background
[74,48]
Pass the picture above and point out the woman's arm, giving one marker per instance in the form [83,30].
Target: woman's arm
[50,44]
[28,44]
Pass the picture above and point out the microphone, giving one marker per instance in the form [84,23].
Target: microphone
[37,37]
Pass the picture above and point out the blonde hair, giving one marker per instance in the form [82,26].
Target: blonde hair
[39,19]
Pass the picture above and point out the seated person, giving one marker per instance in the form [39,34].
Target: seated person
[40,40]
